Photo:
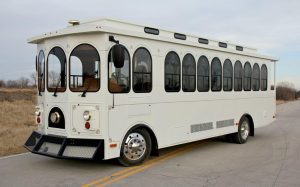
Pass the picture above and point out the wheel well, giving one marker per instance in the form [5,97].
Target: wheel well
[249,117]
[154,148]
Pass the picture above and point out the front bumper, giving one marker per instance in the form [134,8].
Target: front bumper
[62,147]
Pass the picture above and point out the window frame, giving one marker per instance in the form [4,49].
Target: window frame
[209,70]
[129,75]
[82,67]
[244,76]
[232,77]
[256,65]
[211,76]
[195,75]
[38,66]
[66,71]
[179,72]
[266,87]
[151,74]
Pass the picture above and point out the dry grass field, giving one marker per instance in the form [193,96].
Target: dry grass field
[17,108]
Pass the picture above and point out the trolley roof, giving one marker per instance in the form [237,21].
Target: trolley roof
[107,25]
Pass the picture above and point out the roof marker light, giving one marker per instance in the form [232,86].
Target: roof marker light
[74,22]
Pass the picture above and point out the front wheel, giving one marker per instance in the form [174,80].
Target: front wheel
[242,135]
[136,148]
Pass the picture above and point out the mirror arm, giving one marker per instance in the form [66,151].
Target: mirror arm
[112,39]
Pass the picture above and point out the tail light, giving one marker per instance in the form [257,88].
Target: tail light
[87,125]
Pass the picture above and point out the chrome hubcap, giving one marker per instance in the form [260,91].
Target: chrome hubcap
[135,146]
[245,130]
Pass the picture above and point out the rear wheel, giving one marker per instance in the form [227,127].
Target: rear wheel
[136,148]
[243,131]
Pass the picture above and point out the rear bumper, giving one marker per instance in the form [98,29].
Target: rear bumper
[62,147]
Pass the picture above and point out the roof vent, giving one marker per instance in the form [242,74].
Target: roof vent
[74,22]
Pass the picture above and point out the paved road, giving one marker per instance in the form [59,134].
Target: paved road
[271,158]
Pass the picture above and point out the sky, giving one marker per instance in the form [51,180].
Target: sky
[271,26]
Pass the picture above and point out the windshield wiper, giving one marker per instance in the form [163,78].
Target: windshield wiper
[84,92]
[54,94]
[39,84]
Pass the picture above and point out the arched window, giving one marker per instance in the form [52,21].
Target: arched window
[119,78]
[84,69]
[264,77]
[142,71]
[41,71]
[256,77]
[57,71]
[216,75]
[188,73]
[172,72]
[227,75]
[238,76]
[203,74]
[247,76]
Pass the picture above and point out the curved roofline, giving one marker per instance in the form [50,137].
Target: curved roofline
[132,29]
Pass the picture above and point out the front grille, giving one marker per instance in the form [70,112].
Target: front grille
[79,151]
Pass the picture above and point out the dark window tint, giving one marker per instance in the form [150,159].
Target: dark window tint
[41,71]
[221,44]
[119,78]
[172,72]
[256,77]
[238,76]
[247,76]
[203,41]
[188,73]
[264,77]
[56,70]
[142,71]
[151,30]
[180,36]
[239,48]
[216,75]
[203,74]
[227,75]
[84,69]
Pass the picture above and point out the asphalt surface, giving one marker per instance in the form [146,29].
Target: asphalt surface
[271,158]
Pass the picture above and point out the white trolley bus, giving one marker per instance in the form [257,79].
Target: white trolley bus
[110,89]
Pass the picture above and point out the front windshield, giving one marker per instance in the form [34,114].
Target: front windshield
[56,70]
[41,71]
[84,69]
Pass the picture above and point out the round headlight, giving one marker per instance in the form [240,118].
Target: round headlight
[86,115]
[55,117]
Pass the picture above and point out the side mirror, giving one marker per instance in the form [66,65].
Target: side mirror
[118,55]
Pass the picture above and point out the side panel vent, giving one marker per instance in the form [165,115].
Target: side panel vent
[201,127]
[225,123]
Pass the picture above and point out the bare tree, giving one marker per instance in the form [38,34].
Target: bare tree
[285,91]
[2,84]
[23,82]
[53,78]
[33,78]
[12,84]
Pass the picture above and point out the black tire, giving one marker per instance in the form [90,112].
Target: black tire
[135,155]
[242,135]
